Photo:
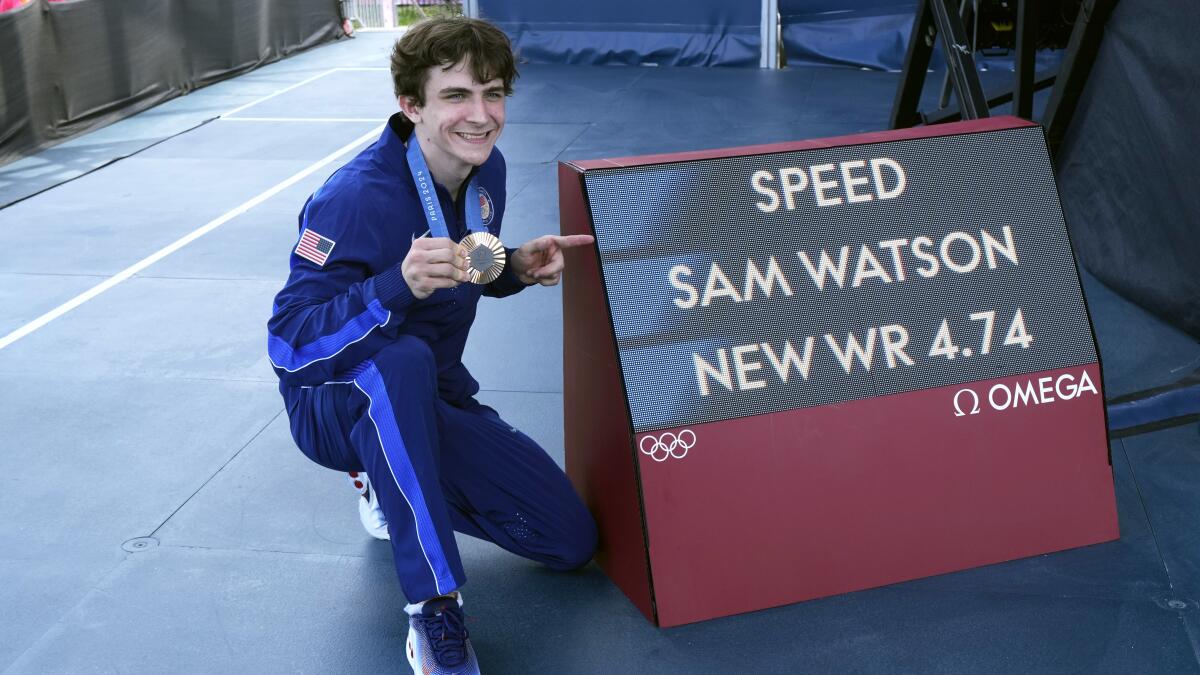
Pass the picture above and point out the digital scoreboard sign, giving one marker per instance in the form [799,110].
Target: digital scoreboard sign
[748,285]
[767,330]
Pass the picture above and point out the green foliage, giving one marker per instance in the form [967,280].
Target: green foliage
[407,15]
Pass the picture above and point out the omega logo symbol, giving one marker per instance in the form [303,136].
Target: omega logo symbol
[960,400]
[660,448]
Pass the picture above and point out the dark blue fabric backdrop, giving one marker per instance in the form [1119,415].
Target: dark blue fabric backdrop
[631,32]
[862,33]
[858,33]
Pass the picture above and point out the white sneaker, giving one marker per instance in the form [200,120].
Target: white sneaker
[438,643]
[368,507]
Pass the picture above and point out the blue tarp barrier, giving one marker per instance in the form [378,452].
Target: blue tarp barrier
[860,33]
[630,32]
[855,33]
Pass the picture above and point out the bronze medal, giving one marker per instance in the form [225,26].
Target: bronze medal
[485,257]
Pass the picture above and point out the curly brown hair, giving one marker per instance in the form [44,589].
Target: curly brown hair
[446,41]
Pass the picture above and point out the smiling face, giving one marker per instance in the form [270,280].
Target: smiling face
[459,122]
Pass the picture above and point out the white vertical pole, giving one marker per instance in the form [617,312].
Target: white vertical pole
[769,33]
[471,8]
[388,9]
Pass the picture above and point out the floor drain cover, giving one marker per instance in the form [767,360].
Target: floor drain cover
[140,544]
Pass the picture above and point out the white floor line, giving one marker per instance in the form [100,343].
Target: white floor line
[281,91]
[183,241]
[373,120]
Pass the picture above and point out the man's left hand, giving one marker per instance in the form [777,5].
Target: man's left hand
[540,261]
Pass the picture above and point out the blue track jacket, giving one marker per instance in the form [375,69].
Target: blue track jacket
[346,298]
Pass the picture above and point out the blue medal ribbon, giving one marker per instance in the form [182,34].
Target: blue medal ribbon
[430,205]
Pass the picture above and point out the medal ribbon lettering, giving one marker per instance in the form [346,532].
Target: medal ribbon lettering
[483,250]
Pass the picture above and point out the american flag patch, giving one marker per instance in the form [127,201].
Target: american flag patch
[314,247]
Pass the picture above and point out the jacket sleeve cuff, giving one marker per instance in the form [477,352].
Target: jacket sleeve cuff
[392,290]
[507,283]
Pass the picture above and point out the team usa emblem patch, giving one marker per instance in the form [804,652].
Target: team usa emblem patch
[485,207]
[314,247]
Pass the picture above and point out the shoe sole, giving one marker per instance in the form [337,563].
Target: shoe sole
[363,484]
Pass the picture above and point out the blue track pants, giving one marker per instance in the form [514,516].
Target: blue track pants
[439,467]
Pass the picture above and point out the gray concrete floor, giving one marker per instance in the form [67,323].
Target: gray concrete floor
[156,517]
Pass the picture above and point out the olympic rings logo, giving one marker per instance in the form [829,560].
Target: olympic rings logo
[668,445]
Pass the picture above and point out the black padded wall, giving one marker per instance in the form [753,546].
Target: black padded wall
[66,67]
[1127,167]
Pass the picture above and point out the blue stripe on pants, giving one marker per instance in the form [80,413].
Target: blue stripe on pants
[370,382]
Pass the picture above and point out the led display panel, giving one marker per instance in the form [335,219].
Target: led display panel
[755,284]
